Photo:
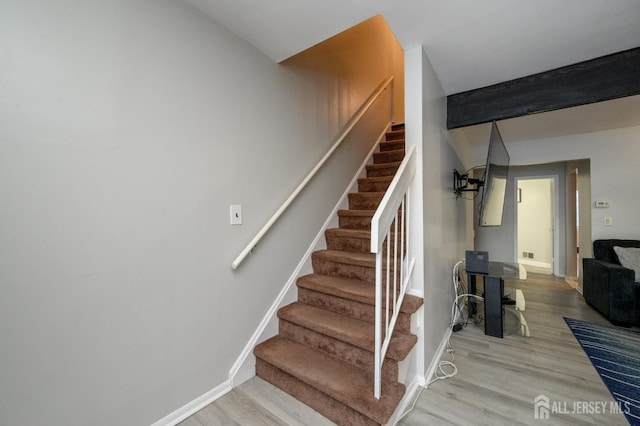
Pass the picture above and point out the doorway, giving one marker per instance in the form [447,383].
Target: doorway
[536,217]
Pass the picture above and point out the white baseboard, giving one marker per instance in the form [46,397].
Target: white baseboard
[419,383]
[535,263]
[194,406]
[407,401]
[442,347]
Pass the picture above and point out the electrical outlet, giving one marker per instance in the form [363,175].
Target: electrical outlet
[235,214]
[608,221]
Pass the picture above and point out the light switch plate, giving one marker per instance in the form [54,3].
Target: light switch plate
[235,214]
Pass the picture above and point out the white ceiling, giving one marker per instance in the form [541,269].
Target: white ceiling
[470,43]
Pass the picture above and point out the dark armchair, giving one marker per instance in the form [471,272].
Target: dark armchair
[609,287]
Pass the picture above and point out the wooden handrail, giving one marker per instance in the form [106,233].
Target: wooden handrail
[356,118]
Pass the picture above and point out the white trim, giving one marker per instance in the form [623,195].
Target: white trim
[416,292]
[535,263]
[555,212]
[241,371]
[420,382]
[409,395]
[436,358]
[194,406]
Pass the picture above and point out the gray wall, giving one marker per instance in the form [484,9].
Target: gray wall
[613,156]
[500,241]
[126,131]
[440,219]
[607,173]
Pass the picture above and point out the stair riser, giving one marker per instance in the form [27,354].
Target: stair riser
[387,156]
[382,171]
[349,271]
[343,270]
[365,201]
[395,135]
[357,222]
[393,145]
[358,245]
[373,186]
[332,409]
[354,222]
[351,308]
[344,351]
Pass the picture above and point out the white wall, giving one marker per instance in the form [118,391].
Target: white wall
[443,219]
[126,131]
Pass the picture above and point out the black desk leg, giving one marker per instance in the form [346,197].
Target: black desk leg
[471,303]
[493,290]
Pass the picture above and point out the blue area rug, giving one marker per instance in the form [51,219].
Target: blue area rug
[615,354]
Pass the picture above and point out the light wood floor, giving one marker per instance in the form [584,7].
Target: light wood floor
[497,380]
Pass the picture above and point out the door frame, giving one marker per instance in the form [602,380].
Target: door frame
[555,239]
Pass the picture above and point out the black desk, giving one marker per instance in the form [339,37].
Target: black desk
[493,292]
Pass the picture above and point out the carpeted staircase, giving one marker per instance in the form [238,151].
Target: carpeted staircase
[323,354]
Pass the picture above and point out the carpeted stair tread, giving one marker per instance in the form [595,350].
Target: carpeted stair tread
[360,291]
[346,264]
[347,257]
[355,332]
[367,194]
[394,135]
[390,156]
[374,184]
[391,145]
[364,200]
[364,234]
[382,169]
[356,212]
[332,377]
[355,219]
[348,239]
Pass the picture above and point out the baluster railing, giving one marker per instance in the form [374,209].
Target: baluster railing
[393,273]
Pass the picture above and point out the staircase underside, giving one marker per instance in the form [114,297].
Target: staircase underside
[324,352]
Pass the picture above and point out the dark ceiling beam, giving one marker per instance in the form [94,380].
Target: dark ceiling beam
[601,79]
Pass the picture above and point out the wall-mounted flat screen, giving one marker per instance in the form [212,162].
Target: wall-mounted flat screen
[495,180]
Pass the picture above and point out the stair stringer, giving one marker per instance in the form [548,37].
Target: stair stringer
[419,382]
[244,367]
[416,382]
[404,366]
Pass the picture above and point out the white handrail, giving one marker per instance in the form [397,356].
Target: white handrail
[356,118]
[391,220]
[384,216]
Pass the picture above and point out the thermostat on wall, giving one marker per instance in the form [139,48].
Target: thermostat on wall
[602,204]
